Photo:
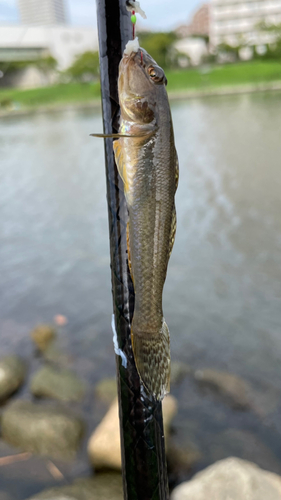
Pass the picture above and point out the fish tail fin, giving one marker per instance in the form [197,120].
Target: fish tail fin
[152,357]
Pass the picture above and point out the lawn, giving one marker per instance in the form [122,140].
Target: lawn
[56,94]
[253,72]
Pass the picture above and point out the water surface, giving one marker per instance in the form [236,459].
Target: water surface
[222,297]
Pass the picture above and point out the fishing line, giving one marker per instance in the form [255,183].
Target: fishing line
[134,20]
[134,7]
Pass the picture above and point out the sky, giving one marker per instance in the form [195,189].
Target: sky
[161,14]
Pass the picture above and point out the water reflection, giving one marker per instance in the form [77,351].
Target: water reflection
[228,242]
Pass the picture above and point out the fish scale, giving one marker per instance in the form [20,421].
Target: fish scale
[147,162]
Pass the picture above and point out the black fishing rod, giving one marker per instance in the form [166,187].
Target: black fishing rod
[141,423]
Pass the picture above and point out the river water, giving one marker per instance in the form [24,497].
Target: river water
[222,298]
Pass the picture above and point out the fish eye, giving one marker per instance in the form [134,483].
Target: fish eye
[152,72]
[157,75]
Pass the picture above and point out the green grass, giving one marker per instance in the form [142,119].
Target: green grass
[56,94]
[253,72]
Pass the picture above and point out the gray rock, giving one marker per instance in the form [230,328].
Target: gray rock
[230,479]
[178,371]
[182,458]
[12,374]
[266,399]
[106,390]
[5,496]
[64,385]
[101,487]
[231,387]
[41,429]
[43,335]
[55,355]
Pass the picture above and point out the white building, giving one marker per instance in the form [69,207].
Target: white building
[236,22]
[194,48]
[42,11]
[32,42]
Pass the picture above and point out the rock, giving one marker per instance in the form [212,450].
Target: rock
[234,389]
[104,444]
[106,390]
[12,374]
[182,458]
[55,355]
[266,399]
[5,496]
[64,385]
[41,429]
[42,336]
[178,371]
[60,320]
[230,479]
[101,487]
[169,408]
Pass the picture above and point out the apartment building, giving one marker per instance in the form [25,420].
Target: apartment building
[42,12]
[199,24]
[237,22]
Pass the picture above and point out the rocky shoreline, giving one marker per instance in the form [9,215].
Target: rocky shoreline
[48,422]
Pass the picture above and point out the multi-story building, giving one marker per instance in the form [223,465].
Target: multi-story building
[199,24]
[42,12]
[200,21]
[236,22]
[64,43]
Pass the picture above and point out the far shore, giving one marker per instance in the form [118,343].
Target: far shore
[95,104]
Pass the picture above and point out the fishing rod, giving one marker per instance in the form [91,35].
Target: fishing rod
[141,423]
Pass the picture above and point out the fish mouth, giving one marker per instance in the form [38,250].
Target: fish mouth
[134,59]
[127,58]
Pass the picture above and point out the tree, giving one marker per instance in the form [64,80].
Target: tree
[85,67]
[228,52]
[271,49]
[45,64]
[159,46]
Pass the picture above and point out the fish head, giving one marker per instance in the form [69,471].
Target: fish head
[140,82]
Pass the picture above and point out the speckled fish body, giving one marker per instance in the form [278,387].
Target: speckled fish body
[147,162]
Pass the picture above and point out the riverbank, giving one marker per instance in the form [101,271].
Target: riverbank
[95,104]
[254,76]
[43,393]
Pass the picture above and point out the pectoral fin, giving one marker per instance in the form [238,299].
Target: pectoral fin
[106,136]
[114,136]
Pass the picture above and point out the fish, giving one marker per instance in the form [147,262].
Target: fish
[147,162]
